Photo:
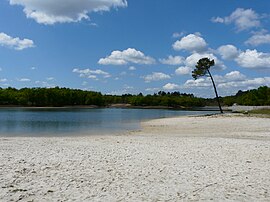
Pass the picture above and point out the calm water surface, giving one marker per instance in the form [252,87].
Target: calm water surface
[66,122]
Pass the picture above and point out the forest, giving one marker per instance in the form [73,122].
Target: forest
[255,97]
[59,97]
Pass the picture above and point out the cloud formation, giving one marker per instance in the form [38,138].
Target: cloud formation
[253,59]
[234,76]
[45,84]
[246,84]
[192,60]
[125,57]
[198,83]
[91,74]
[191,42]
[156,76]
[183,70]
[172,60]
[63,11]
[3,80]
[15,43]
[243,19]
[24,80]
[171,86]
[132,68]
[229,83]
[177,34]
[258,39]
[228,52]
[50,78]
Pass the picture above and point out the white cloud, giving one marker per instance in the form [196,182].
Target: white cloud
[228,52]
[24,80]
[218,20]
[132,68]
[229,83]
[50,78]
[1,69]
[258,39]
[125,57]
[246,84]
[155,76]
[33,68]
[253,59]
[62,11]
[172,60]
[192,60]
[91,74]
[92,77]
[198,83]
[183,70]
[171,86]
[243,19]
[248,58]
[177,34]
[126,89]
[152,89]
[45,84]
[15,43]
[234,76]
[191,42]
[3,80]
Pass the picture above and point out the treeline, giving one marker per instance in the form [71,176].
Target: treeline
[174,100]
[255,97]
[55,97]
[58,97]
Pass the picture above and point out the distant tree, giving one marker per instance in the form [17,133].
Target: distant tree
[239,93]
[202,69]
[162,93]
[175,93]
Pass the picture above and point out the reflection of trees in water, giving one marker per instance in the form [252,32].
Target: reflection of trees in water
[39,122]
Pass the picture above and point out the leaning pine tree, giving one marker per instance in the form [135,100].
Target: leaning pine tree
[202,69]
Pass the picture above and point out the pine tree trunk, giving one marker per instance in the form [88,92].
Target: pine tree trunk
[217,97]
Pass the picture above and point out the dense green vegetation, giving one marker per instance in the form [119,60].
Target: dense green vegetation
[58,97]
[49,97]
[255,97]
[175,99]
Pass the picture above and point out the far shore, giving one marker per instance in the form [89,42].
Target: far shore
[194,158]
[234,108]
[123,106]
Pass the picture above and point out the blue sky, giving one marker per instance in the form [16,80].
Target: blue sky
[133,46]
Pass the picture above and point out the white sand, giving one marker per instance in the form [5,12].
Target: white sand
[178,159]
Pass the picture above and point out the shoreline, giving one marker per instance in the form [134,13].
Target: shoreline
[117,106]
[218,157]
[227,125]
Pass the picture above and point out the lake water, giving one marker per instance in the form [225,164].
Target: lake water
[65,122]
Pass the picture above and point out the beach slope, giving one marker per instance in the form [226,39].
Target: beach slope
[220,158]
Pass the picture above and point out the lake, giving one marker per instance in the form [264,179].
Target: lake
[70,122]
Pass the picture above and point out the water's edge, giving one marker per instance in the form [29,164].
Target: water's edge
[36,122]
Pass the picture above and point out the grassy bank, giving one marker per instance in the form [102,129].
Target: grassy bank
[260,112]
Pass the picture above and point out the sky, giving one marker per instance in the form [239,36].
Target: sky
[133,46]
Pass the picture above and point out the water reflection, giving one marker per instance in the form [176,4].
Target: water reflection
[66,121]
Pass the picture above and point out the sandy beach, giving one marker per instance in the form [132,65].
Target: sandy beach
[206,158]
